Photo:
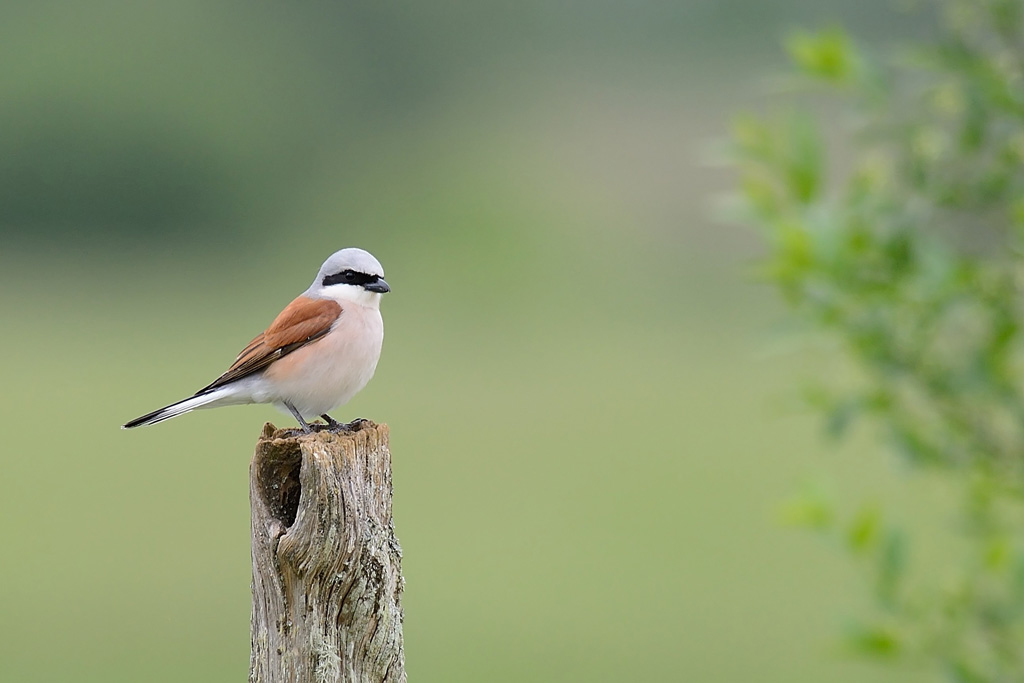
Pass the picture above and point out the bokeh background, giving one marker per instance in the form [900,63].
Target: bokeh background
[591,399]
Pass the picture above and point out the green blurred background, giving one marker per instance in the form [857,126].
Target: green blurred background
[590,402]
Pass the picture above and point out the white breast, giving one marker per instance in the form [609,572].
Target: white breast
[319,377]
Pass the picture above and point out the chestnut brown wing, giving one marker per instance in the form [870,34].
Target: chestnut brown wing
[302,322]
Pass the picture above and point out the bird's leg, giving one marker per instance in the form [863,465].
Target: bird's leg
[334,425]
[298,416]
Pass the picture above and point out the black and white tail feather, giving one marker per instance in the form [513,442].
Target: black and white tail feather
[201,400]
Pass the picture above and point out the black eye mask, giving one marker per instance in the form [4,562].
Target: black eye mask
[350,277]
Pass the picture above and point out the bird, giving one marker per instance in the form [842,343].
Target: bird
[319,352]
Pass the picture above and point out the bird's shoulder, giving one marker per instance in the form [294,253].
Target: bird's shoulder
[303,321]
[302,318]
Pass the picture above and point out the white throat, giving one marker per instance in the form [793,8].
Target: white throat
[343,293]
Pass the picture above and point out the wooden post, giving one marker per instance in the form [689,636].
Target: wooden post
[326,566]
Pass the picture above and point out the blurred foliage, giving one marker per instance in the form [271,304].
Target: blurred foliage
[912,260]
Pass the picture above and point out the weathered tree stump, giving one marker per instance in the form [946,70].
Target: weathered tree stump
[326,566]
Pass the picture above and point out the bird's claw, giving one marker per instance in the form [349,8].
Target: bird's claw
[334,426]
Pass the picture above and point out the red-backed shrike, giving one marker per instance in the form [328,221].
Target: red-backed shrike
[316,355]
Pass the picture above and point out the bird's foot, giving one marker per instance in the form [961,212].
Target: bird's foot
[341,427]
[335,426]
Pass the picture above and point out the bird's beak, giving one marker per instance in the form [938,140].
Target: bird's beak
[380,286]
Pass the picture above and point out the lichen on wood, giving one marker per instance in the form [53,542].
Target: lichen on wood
[327,579]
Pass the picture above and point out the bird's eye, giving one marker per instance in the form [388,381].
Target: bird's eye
[348,277]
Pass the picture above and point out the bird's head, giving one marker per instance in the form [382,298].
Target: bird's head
[350,275]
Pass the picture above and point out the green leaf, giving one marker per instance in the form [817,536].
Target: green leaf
[998,554]
[813,508]
[804,166]
[841,416]
[875,640]
[827,55]
[754,139]
[865,529]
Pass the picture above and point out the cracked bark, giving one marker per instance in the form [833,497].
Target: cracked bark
[326,566]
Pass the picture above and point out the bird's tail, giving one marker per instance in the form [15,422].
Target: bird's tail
[181,407]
